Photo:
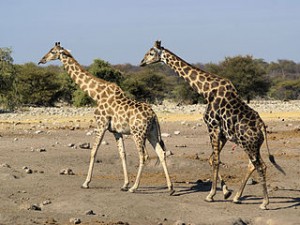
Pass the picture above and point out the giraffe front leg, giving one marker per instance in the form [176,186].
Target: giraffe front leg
[213,190]
[120,143]
[226,192]
[94,150]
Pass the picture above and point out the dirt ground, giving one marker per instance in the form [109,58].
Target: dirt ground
[34,152]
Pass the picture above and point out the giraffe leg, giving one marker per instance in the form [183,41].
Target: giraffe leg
[238,195]
[215,161]
[258,164]
[140,144]
[94,150]
[226,192]
[120,143]
[153,139]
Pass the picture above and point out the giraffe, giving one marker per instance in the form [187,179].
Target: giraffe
[227,117]
[117,114]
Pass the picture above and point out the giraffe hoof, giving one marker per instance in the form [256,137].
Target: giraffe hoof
[124,188]
[237,201]
[85,187]
[208,199]
[227,194]
[263,207]
[171,192]
[132,190]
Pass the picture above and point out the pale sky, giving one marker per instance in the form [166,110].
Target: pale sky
[121,31]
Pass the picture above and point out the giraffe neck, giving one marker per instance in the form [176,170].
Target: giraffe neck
[87,82]
[198,79]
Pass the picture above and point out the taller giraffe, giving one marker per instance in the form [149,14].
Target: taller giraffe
[227,117]
[115,113]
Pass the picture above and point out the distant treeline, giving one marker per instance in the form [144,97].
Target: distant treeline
[29,84]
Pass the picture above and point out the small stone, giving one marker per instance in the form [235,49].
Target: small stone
[75,220]
[66,172]
[179,222]
[166,135]
[41,150]
[196,157]
[168,153]
[38,132]
[89,133]
[104,143]
[16,139]
[28,171]
[71,145]
[4,165]
[85,145]
[90,213]
[46,202]
[35,207]
[251,181]
[176,132]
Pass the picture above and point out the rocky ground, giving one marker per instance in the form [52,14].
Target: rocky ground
[44,156]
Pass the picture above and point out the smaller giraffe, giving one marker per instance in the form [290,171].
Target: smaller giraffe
[227,117]
[117,114]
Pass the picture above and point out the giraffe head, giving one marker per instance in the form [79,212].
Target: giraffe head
[55,53]
[154,55]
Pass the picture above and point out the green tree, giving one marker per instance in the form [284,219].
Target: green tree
[36,85]
[7,79]
[146,85]
[285,89]
[247,74]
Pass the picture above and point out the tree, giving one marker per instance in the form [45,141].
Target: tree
[247,75]
[7,78]
[146,85]
[36,85]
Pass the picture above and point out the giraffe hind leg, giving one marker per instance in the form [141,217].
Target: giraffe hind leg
[140,144]
[120,143]
[160,151]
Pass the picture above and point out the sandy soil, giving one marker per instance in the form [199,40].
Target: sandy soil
[44,196]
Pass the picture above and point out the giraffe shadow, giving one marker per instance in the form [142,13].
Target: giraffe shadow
[286,202]
[194,187]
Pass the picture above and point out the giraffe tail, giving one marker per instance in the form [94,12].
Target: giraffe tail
[271,157]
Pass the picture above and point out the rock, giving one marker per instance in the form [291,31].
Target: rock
[75,220]
[38,132]
[27,170]
[46,202]
[4,165]
[104,143]
[176,132]
[89,133]
[90,213]
[16,139]
[66,172]
[181,146]
[71,145]
[166,135]
[40,150]
[179,222]
[168,153]
[251,181]
[85,145]
[35,207]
